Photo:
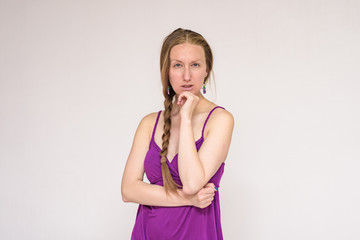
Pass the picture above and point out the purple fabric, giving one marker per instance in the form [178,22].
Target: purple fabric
[176,223]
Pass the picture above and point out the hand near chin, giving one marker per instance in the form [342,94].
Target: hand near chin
[187,103]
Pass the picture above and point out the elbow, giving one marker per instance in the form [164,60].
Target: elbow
[124,198]
[129,190]
[190,189]
[124,194]
[193,186]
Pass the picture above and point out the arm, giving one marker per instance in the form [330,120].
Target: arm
[133,189]
[196,168]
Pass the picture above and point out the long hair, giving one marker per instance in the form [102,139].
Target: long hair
[178,36]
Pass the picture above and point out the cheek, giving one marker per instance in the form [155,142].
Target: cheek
[200,76]
[173,76]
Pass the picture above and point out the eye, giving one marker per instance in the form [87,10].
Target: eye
[177,65]
[196,65]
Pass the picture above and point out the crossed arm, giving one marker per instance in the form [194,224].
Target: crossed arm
[195,167]
[133,189]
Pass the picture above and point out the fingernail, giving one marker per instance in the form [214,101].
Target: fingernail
[216,188]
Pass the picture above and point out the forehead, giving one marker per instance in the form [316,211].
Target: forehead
[187,51]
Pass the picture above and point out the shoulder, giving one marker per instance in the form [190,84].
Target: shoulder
[149,120]
[220,120]
[147,123]
[221,116]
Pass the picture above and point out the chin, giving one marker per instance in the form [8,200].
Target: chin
[197,93]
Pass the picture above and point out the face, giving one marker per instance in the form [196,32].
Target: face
[187,68]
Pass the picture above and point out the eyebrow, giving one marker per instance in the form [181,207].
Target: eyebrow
[171,60]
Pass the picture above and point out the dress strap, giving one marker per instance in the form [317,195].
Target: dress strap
[202,133]
[157,120]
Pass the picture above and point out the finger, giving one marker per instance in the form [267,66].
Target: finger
[210,184]
[208,203]
[208,189]
[205,204]
[211,197]
[187,95]
[213,186]
[208,192]
[181,99]
[208,200]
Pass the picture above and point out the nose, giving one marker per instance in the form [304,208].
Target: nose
[187,74]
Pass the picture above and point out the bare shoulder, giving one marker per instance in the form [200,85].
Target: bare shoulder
[221,121]
[221,116]
[149,119]
[146,124]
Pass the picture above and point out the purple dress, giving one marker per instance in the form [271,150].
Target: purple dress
[176,223]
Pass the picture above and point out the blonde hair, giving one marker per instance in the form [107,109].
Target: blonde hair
[177,37]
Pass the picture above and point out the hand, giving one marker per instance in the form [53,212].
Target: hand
[187,103]
[204,197]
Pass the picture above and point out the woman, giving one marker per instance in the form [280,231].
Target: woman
[182,199]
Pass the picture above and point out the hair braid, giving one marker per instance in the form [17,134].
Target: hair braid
[168,181]
[178,36]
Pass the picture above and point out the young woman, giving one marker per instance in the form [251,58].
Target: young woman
[181,149]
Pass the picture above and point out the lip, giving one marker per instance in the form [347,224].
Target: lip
[187,87]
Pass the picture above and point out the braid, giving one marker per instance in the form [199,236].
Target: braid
[168,181]
[178,36]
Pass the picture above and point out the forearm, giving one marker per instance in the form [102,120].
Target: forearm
[191,171]
[153,195]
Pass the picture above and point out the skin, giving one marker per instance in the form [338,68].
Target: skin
[186,74]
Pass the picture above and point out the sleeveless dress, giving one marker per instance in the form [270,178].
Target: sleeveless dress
[176,223]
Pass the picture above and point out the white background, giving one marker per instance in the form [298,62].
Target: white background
[76,77]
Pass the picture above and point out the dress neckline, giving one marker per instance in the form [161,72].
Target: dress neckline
[196,142]
[176,155]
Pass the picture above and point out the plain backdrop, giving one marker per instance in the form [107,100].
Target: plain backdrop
[76,77]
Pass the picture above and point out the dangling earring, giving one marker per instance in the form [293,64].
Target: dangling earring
[168,91]
[204,89]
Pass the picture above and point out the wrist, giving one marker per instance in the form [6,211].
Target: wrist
[185,120]
[185,115]
[186,199]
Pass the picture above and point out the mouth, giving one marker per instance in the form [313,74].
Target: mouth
[187,87]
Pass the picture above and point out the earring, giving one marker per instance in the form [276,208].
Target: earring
[168,91]
[204,89]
